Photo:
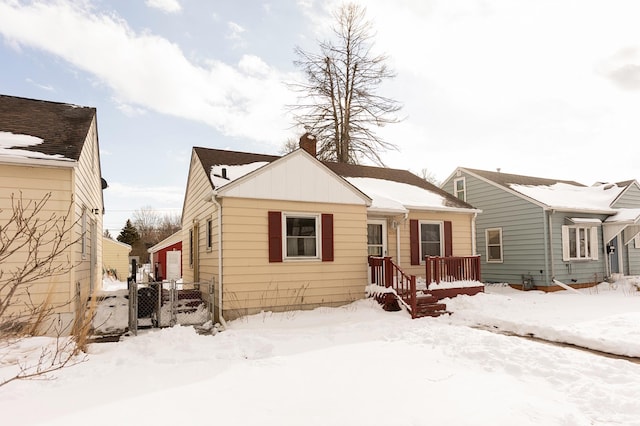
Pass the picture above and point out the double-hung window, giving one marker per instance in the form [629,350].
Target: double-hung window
[579,242]
[494,245]
[301,238]
[459,189]
[430,239]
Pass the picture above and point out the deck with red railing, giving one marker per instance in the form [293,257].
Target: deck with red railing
[424,302]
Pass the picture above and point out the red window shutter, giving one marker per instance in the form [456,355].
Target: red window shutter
[448,239]
[327,238]
[414,242]
[275,237]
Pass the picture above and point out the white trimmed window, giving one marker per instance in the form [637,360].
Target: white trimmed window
[493,239]
[83,238]
[579,242]
[636,241]
[430,239]
[301,236]
[209,234]
[460,189]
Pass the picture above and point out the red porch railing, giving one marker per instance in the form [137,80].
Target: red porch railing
[452,269]
[387,274]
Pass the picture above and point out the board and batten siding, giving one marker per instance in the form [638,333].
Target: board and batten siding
[523,233]
[253,284]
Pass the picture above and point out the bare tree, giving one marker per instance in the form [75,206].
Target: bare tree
[429,176]
[33,246]
[169,224]
[152,228]
[338,102]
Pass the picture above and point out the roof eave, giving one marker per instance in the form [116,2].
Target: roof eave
[44,162]
[443,209]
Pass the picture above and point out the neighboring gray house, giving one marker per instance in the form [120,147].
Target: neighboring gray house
[533,231]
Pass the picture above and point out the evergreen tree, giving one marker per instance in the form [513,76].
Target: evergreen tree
[129,234]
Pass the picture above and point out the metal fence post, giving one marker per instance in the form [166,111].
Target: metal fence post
[133,308]
[159,305]
[172,303]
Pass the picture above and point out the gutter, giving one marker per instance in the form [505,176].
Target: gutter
[214,200]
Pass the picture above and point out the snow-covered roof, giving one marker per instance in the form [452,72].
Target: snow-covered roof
[232,172]
[389,196]
[392,190]
[10,144]
[625,215]
[572,197]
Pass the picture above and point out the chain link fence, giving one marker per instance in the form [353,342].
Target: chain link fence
[165,304]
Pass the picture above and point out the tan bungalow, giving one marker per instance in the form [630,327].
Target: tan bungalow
[49,156]
[115,259]
[279,233]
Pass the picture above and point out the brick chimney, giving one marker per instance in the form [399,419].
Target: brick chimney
[308,143]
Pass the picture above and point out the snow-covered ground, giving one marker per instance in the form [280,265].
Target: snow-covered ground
[359,365]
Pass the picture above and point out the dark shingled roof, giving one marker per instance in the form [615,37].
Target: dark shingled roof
[216,157]
[506,179]
[62,127]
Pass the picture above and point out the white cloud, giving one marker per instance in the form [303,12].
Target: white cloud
[167,6]
[149,72]
[235,31]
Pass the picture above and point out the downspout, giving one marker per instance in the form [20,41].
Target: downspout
[553,269]
[219,210]
[398,243]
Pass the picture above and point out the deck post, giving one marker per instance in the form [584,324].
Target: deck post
[414,296]
[387,271]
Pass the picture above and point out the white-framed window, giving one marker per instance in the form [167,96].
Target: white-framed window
[460,189]
[636,241]
[431,243]
[377,237]
[209,234]
[493,237]
[83,238]
[300,232]
[579,242]
[191,247]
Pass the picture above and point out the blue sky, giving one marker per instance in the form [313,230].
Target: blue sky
[543,88]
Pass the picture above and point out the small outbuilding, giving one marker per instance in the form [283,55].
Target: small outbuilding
[115,258]
[166,258]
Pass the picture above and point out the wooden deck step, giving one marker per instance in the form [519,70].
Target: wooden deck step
[430,309]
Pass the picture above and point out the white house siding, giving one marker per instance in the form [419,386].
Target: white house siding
[34,183]
[115,257]
[460,233]
[252,284]
[88,200]
[197,210]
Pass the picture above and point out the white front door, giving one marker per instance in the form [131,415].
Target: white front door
[377,237]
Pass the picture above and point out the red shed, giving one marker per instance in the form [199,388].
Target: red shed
[166,258]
